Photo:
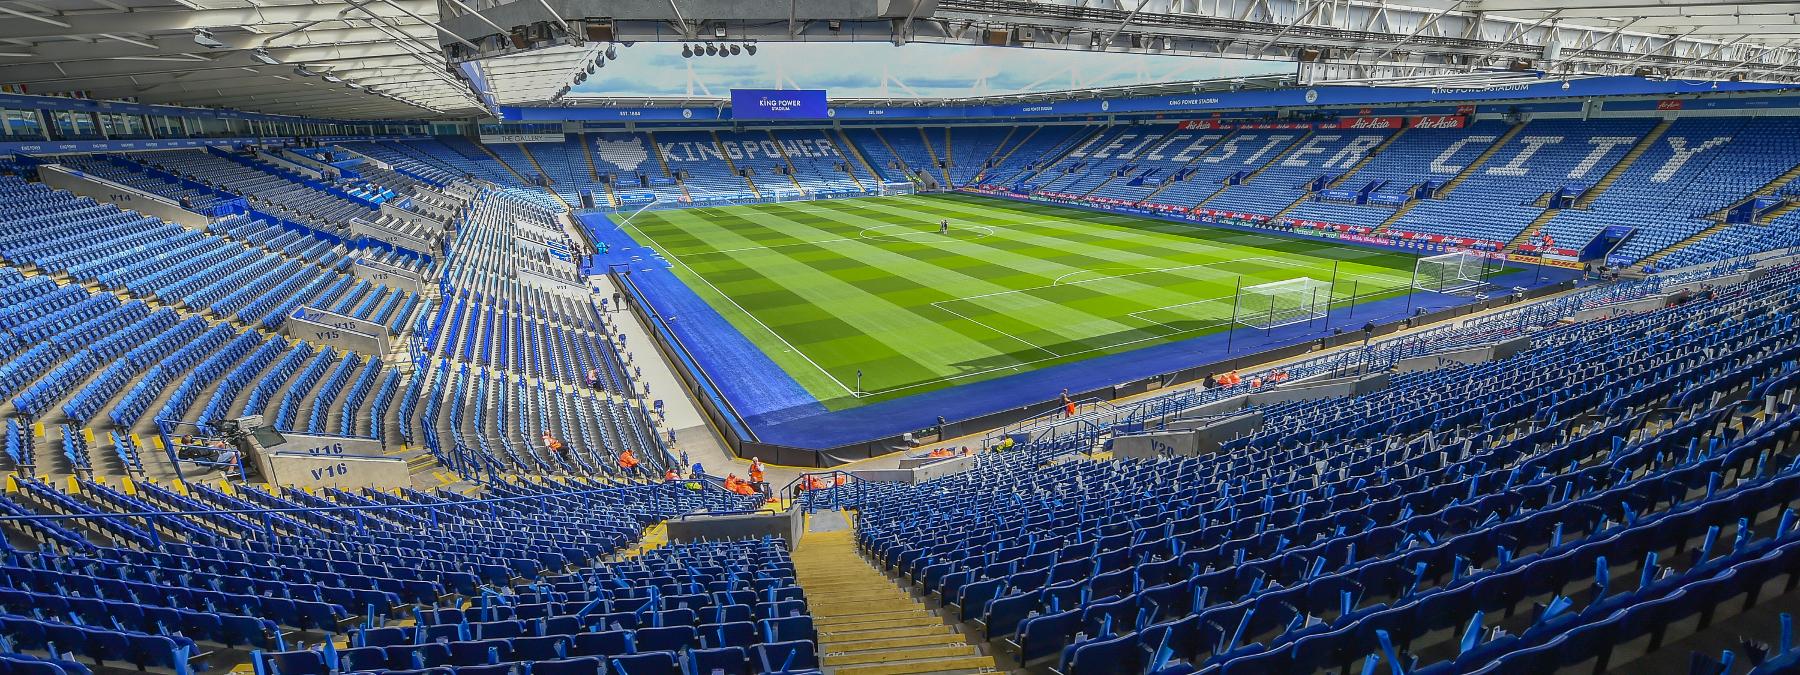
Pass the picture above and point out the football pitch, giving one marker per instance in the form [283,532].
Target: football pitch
[829,288]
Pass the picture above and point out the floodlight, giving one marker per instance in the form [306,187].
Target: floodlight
[204,38]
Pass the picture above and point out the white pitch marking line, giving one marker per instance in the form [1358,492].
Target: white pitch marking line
[1105,278]
[997,331]
[753,317]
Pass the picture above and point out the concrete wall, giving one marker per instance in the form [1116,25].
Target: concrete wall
[307,460]
[336,330]
[1481,354]
[789,525]
[363,228]
[125,196]
[434,211]
[425,222]
[1153,445]
[345,472]
[1187,438]
[1649,304]
[387,275]
[918,474]
[290,165]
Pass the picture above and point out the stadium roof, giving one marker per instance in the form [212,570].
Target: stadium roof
[424,58]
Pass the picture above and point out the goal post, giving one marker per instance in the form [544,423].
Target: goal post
[1450,272]
[889,189]
[1282,303]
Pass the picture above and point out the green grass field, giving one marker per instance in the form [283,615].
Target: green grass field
[829,287]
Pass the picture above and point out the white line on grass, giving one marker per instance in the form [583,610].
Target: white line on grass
[1021,340]
[753,317]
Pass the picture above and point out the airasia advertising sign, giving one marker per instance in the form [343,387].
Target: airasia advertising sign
[1438,122]
[1370,122]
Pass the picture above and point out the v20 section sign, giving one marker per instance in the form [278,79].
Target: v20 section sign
[778,104]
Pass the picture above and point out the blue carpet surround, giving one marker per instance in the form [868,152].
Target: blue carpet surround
[779,411]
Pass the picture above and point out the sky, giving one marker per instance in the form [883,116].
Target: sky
[881,70]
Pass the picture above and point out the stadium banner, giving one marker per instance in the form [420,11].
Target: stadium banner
[55,147]
[501,139]
[1370,122]
[1504,97]
[387,275]
[778,104]
[1437,122]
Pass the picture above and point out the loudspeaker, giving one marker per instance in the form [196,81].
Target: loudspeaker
[519,39]
[996,37]
[1311,55]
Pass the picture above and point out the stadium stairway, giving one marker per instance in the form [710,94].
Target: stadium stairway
[942,158]
[785,159]
[1136,158]
[1367,157]
[911,176]
[1767,190]
[1695,238]
[1461,176]
[539,168]
[1003,151]
[509,168]
[1197,157]
[867,625]
[587,150]
[848,148]
[1056,156]
[733,165]
[1624,164]
[1531,229]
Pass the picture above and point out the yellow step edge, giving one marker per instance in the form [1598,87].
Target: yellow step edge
[874,624]
[909,613]
[882,657]
[831,647]
[837,635]
[964,665]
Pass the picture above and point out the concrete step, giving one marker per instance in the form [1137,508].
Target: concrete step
[882,644]
[864,658]
[908,666]
[910,616]
[836,636]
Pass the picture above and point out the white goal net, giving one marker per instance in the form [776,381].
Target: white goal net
[1282,303]
[898,189]
[1450,272]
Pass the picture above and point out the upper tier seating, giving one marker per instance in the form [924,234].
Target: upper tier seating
[1697,167]
[259,182]
[1418,156]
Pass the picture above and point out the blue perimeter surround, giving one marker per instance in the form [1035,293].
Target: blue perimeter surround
[1292,97]
[779,411]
